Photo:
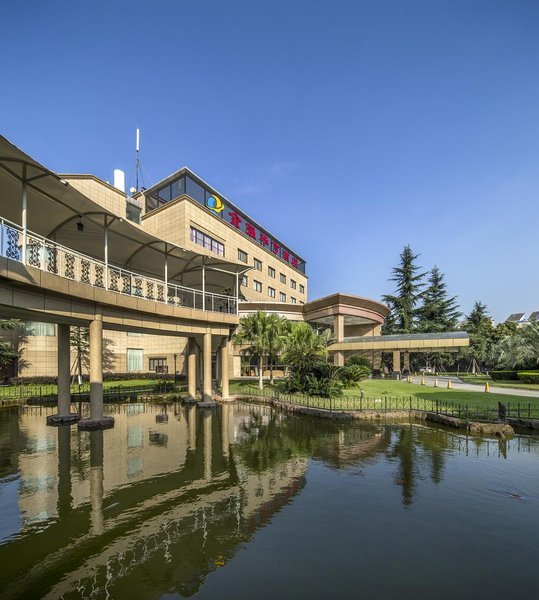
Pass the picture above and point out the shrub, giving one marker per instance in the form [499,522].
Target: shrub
[528,376]
[509,375]
[360,360]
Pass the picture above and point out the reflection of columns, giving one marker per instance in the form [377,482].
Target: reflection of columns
[338,331]
[224,351]
[207,367]
[406,361]
[64,392]
[225,419]
[64,470]
[192,420]
[207,444]
[96,367]
[396,361]
[191,368]
[96,481]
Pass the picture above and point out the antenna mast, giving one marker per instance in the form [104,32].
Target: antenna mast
[137,162]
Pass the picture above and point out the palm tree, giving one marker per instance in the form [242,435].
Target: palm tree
[304,348]
[278,329]
[263,335]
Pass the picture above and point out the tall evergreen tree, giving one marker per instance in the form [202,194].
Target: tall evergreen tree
[403,304]
[439,312]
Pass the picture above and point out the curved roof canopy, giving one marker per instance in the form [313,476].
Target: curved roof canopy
[55,209]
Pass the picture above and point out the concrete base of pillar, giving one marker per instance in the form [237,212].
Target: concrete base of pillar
[208,404]
[61,419]
[190,401]
[94,424]
[225,400]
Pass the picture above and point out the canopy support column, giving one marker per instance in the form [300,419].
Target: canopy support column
[106,251]
[24,217]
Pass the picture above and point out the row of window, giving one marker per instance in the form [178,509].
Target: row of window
[243,257]
[135,361]
[272,293]
[207,242]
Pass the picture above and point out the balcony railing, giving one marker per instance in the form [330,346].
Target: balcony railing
[54,258]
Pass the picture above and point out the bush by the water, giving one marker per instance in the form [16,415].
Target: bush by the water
[52,380]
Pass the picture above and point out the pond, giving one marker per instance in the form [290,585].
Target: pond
[244,501]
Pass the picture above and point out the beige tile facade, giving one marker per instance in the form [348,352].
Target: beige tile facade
[173,223]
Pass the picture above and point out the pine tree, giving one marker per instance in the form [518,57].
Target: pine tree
[403,303]
[439,312]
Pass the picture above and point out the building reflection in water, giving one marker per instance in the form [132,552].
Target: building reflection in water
[180,496]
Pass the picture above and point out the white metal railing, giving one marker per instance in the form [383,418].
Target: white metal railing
[54,258]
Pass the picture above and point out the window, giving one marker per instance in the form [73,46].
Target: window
[244,281]
[301,289]
[132,212]
[257,285]
[31,328]
[292,300]
[271,292]
[271,272]
[258,264]
[282,277]
[282,297]
[293,284]
[157,362]
[208,242]
[242,256]
[134,359]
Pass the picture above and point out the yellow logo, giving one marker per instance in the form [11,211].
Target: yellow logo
[215,204]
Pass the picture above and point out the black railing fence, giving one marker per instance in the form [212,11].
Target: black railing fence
[387,404]
[49,393]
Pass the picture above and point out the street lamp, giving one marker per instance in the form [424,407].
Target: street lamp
[175,372]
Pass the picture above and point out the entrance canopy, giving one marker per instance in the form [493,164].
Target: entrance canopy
[411,342]
[57,211]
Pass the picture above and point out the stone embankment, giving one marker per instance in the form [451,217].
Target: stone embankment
[497,429]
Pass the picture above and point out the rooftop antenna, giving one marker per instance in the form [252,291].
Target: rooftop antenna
[137,161]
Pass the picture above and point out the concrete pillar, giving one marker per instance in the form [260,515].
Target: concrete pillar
[192,369]
[192,420]
[96,481]
[64,392]
[338,331]
[396,362]
[406,361]
[207,419]
[206,390]
[96,367]
[376,360]
[224,352]
[225,409]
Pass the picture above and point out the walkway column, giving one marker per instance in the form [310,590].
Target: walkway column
[64,379]
[406,361]
[96,367]
[206,395]
[338,330]
[192,369]
[396,361]
[96,420]
[376,360]
[224,351]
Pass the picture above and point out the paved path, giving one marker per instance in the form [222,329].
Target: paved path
[470,387]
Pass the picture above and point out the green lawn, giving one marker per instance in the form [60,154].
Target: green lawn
[380,388]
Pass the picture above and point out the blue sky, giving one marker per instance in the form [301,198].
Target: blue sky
[348,129]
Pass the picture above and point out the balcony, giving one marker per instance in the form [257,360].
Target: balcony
[49,256]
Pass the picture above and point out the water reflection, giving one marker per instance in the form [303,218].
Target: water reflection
[170,495]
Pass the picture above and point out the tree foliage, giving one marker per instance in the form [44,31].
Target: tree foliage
[439,312]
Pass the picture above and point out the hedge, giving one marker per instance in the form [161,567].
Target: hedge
[510,375]
[528,376]
[53,380]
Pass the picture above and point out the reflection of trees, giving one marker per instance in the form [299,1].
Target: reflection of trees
[272,440]
[404,451]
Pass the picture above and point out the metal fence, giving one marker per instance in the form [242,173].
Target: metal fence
[49,256]
[49,393]
[387,404]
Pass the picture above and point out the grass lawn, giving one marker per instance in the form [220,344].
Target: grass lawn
[378,388]
[507,383]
